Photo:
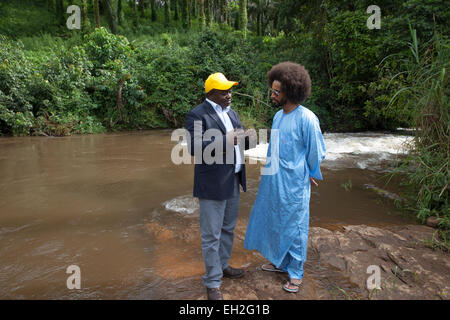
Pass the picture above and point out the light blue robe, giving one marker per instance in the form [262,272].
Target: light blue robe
[279,221]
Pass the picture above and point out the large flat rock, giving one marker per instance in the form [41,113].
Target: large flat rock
[409,269]
[340,261]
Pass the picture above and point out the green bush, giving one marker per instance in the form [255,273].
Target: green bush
[74,89]
[15,78]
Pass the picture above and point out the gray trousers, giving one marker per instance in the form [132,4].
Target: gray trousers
[217,222]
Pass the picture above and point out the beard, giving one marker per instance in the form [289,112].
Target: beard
[278,104]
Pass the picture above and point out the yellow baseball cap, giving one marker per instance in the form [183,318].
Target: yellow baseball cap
[219,82]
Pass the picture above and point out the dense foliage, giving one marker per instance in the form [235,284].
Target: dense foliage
[425,90]
[95,81]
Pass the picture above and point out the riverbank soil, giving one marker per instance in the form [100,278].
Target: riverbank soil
[343,263]
[339,261]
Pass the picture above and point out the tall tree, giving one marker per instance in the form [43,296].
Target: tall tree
[194,8]
[190,13]
[184,13]
[119,12]
[224,11]
[97,13]
[60,11]
[243,19]
[167,12]
[202,14]
[112,19]
[208,15]
[84,16]
[135,14]
[257,12]
[153,10]
[175,6]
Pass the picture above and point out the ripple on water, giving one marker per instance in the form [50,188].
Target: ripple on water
[47,248]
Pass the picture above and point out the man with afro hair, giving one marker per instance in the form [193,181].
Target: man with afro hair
[279,221]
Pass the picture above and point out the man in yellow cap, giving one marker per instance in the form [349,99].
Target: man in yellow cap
[216,184]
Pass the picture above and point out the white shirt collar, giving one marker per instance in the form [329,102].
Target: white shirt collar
[218,108]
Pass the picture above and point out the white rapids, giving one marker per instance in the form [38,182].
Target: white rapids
[367,150]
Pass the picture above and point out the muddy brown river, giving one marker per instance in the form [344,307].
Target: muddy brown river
[118,208]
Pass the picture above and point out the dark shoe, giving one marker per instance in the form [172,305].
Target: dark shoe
[232,273]
[214,294]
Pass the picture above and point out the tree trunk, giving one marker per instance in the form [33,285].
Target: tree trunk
[202,14]
[135,14]
[184,13]
[61,12]
[189,13]
[175,5]
[194,9]
[84,16]
[243,19]
[208,12]
[142,7]
[167,12]
[224,9]
[111,16]
[119,12]
[153,10]
[97,13]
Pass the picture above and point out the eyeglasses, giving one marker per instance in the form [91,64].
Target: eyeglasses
[276,92]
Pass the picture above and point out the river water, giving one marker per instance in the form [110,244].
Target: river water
[118,208]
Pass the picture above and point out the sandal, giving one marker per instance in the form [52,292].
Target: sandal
[272,269]
[296,285]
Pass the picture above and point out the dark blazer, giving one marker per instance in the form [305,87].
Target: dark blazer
[213,181]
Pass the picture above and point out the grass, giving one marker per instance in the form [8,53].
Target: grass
[439,241]
[427,166]
[338,290]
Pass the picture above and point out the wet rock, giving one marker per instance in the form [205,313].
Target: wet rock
[382,192]
[408,269]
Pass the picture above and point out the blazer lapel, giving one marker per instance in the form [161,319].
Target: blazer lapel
[210,110]
[233,118]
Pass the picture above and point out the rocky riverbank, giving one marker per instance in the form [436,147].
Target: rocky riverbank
[338,263]
[341,259]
